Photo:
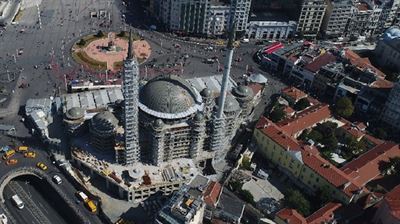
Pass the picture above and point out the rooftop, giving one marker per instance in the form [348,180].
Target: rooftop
[366,167]
[293,93]
[393,201]
[324,214]
[320,61]
[291,216]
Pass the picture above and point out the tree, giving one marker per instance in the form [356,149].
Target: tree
[277,114]
[330,143]
[246,163]
[344,107]
[302,104]
[235,185]
[100,34]
[324,195]
[392,167]
[392,76]
[315,135]
[121,34]
[81,42]
[295,199]
[246,196]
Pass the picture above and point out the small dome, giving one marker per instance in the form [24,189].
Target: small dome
[199,116]
[104,121]
[158,123]
[206,92]
[75,113]
[243,91]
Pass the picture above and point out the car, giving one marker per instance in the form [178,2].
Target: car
[12,162]
[57,179]
[30,154]
[41,165]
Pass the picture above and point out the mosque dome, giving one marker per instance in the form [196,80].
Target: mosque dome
[199,116]
[206,92]
[243,91]
[167,96]
[75,113]
[104,122]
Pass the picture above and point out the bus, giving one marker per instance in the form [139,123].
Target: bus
[17,201]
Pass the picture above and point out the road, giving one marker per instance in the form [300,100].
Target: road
[67,189]
[37,209]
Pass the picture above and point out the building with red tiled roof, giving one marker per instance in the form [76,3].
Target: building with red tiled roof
[302,163]
[366,167]
[320,61]
[322,215]
[389,210]
[362,63]
[305,119]
[292,94]
[289,216]
[211,194]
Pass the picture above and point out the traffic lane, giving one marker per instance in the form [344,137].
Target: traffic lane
[45,206]
[19,215]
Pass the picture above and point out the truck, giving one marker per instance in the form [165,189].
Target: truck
[88,202]
[17,201]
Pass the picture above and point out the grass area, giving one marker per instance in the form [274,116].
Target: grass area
[18,16]
[86,40]
[82,57]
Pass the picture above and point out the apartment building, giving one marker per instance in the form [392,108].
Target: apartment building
[311,17]
[337,16]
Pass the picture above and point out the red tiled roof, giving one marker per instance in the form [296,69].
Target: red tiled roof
[328,171]
[291,216]
[366,167]
[256,87]
[276,134]
[211,194]
[305,119]
[362,63]
[362,6]
[293,93]
[288,110]
[382,84]
[393,201]
[324,214]
[320,61]
[373,140]
[353,130]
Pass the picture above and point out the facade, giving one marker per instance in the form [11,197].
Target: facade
[387,51]
[204,17]
[337,16]
[388,211]
[391,111]
[311,17]
[270,27]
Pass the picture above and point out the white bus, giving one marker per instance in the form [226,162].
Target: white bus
[17,201]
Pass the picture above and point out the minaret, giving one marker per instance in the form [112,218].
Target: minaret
[227,71]
[218,138]
[131,103]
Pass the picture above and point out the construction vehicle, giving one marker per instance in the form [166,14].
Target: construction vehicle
[8,154]
[88,202]
[22,148]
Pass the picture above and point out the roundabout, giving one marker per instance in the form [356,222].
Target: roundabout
[106,51]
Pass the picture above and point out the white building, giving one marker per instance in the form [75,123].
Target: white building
[337,15]
[217,19]
[270,27]
[311,16]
